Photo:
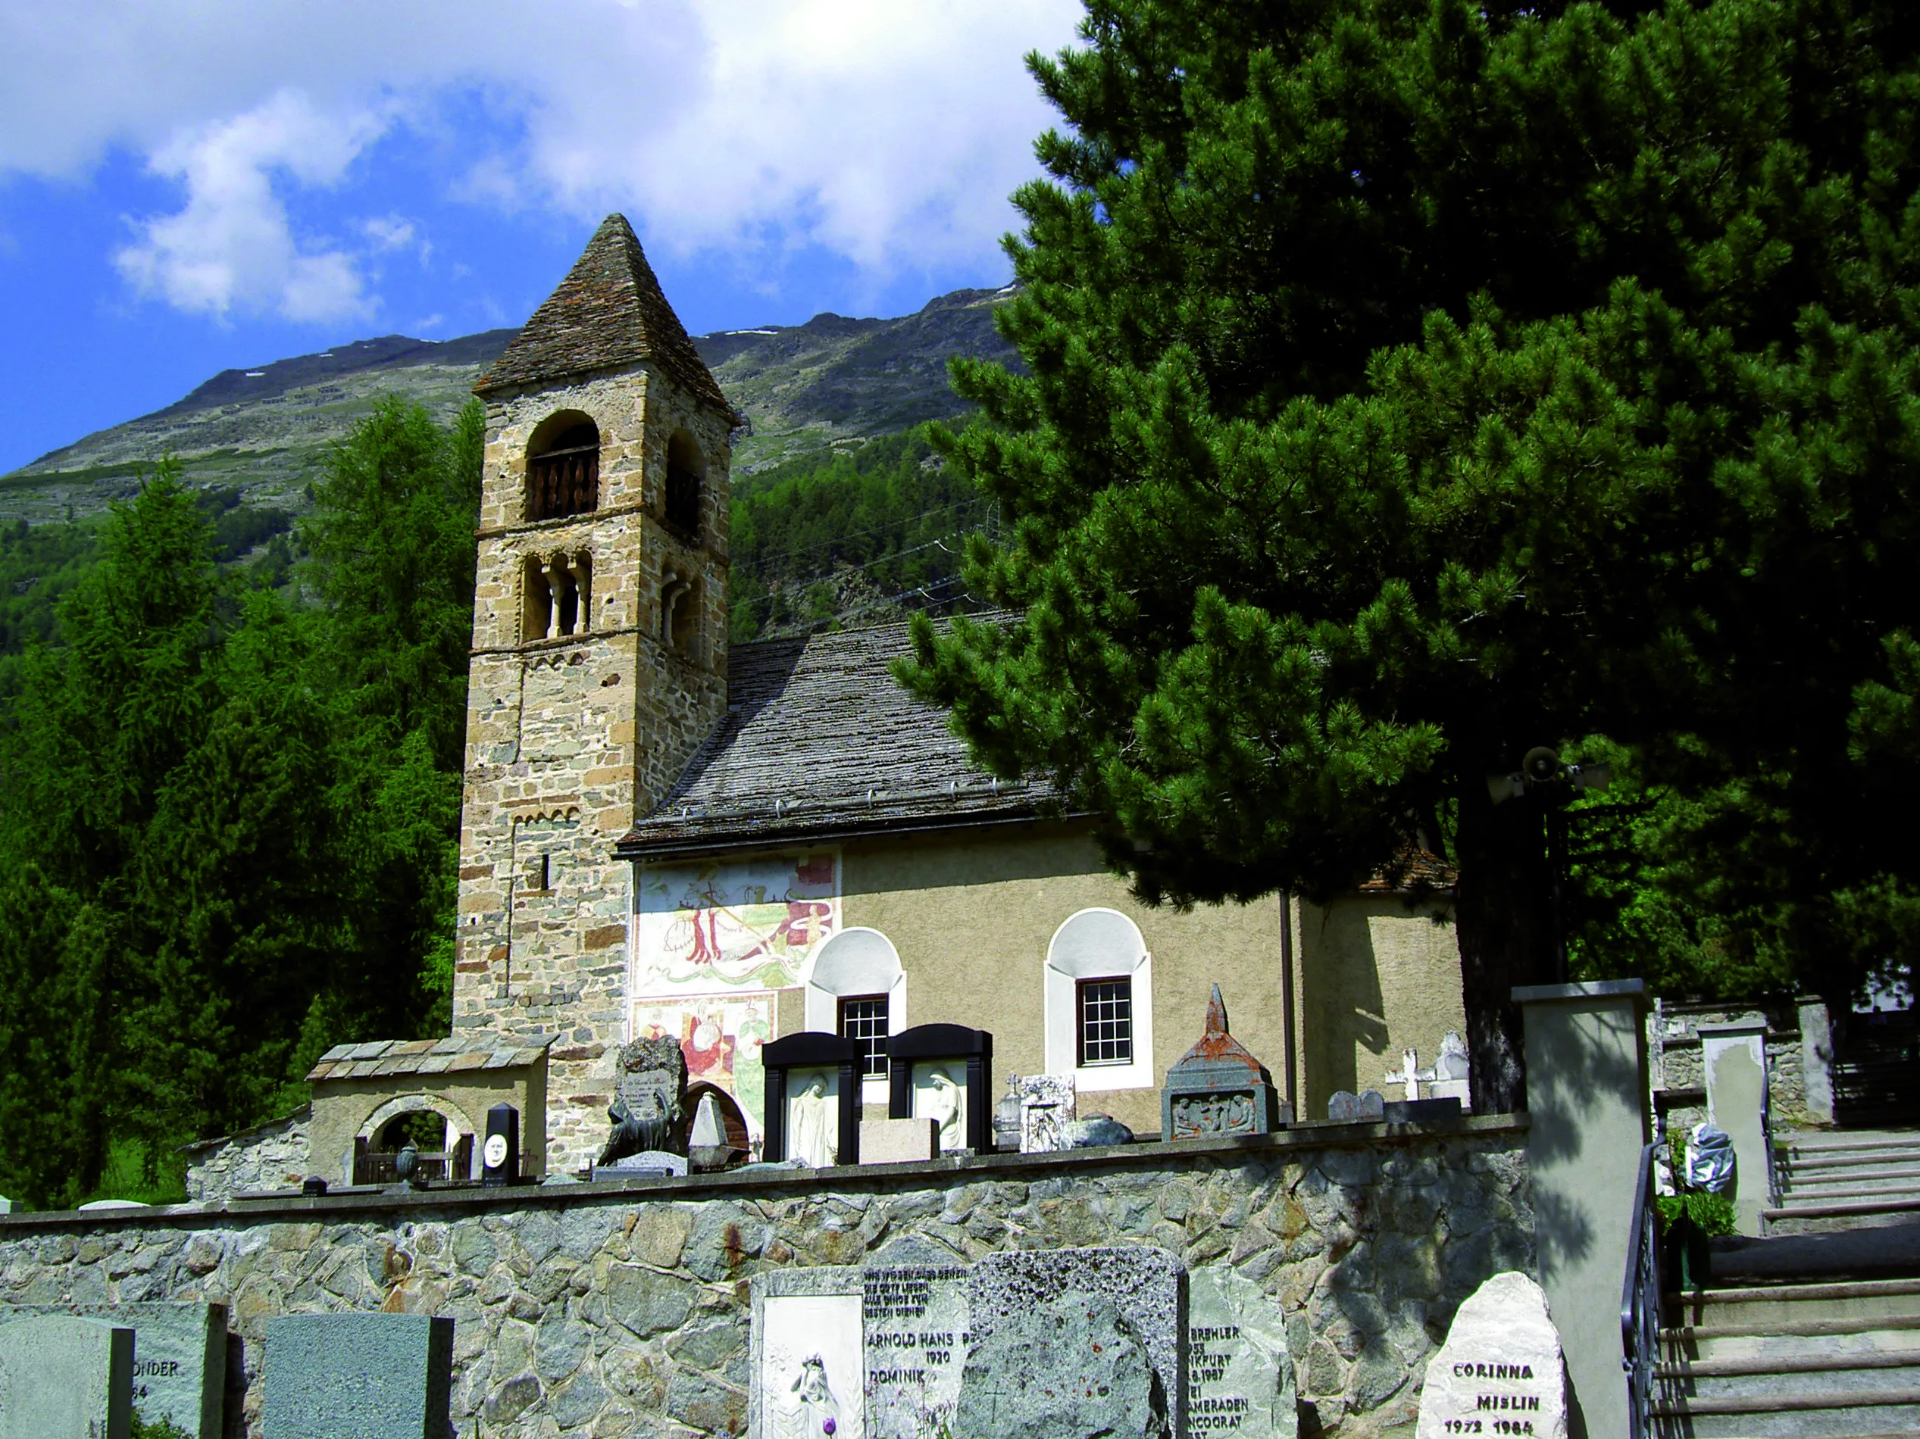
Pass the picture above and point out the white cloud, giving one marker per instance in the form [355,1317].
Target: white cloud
[231,247]
[890,133]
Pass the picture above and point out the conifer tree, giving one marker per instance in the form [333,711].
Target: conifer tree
[1412,383]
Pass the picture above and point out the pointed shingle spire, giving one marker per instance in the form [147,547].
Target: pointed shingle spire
[608,311]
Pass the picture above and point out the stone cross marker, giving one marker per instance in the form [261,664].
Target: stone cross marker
[1500,1371]
[1239,1374]
[64,1377]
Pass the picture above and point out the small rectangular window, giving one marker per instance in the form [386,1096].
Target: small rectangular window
[1105,1021]
[863,1019]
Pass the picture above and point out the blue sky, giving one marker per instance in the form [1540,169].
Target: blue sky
[189,185]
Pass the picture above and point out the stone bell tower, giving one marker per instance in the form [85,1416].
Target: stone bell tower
[599,657]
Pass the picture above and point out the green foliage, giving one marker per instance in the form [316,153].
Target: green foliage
[883,523]
[1711,1214]
[1415,382]
[160,1428]
[231,821]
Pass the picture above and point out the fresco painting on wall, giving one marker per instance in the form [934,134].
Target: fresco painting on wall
[721,1036]
[747,924]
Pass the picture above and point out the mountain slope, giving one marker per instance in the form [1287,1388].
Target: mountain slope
[803,388]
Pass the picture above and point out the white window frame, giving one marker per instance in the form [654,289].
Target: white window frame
[852,964]
[1098,944]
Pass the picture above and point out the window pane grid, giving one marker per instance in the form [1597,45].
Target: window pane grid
[864,1021]
[1106,1021]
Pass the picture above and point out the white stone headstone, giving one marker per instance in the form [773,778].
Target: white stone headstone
[809,1359]
[1501,1371]
[1239,1375]
[63,1377]
[1046,1108]
[917,1333]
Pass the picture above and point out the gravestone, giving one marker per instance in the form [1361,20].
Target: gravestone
[1072,1367]
[1501,1370]
[179,1358]
[1367,1107]
[812,1099]
[917,1334]
[1217,1089]
[646,1162]
[65,1377]
[1046,1109]
[944,1072]
[500,1155]
[374,1376]
[1239,1374]
[648,1112]
[898,1141]
[1146,1286]
[1451,1071]
[808,1357]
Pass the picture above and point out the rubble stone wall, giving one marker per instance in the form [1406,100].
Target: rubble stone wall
[604,1310]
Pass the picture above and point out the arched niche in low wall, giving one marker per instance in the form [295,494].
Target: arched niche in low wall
[423,1102]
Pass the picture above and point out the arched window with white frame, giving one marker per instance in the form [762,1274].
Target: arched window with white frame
[857,989]
[1099,1003]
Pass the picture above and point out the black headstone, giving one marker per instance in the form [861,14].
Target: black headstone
[810,1049]
[500,1155]
[956,1044]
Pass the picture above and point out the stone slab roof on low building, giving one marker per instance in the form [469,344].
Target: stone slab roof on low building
[819,739]
[609,311]
[383,1058]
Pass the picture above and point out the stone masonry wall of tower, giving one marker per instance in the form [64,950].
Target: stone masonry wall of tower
[570,738]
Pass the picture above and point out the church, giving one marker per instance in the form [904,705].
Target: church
[667,836]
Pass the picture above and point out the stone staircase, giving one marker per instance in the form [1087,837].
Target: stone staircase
[1847,1179]
[1838,1359]
[1813,1329]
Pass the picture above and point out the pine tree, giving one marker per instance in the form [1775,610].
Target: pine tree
[1412,383]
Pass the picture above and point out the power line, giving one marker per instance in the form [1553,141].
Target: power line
[874,530]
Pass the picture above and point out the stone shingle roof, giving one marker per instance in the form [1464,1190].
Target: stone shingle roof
[458,1055]
[608,311]
[820,740]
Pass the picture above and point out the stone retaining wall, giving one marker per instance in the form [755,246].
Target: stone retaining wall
[615,1309]
[1675,1060]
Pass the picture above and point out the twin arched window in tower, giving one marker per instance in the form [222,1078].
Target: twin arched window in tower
[558,595]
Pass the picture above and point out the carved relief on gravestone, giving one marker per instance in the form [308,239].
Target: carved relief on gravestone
[813,1116]
[808,1358]
[1046,1109]
[648,1109]
[939,1096]
[1501,1371]
[1217,1089]
[1239,1374]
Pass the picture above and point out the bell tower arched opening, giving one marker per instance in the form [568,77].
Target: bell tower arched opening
[563,467]
[686,477]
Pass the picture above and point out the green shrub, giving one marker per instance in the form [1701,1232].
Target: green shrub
[1712,1214]
[161,1428]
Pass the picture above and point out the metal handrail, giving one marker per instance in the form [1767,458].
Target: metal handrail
[1640,1300]
[1766,1125]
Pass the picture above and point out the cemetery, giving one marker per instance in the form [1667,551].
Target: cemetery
[805,1080]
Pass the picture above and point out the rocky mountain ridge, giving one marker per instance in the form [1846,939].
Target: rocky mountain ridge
[829,382]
